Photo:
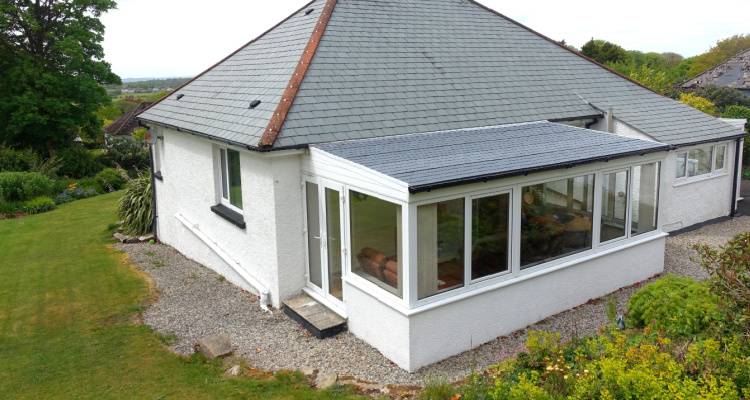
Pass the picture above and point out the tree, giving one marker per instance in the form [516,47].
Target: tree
[52,70]
[604,52]
[724,96]
[722,51]
[654,79]
[699,103]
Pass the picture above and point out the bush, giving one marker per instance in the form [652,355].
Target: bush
[678,306]
[109,180]
[21,186]
[17,160]
[723,96]
[9,209]
[75,192]
[437,390]
[38,205]
[78,162]
[135,206]
[129,154]
[698,103]
[729,269]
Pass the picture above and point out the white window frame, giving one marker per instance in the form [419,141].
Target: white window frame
[222,178]
[468,235]
[715,172]
[723,148]
[628,199]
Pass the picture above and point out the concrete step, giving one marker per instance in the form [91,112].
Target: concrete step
[318,319]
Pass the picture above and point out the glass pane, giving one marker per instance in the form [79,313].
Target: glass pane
[440,247]
[224,189]
[614,205]
[699,161]
[235,181]
[720,153]
[376,240]
[333,227]
[556,219]
[645,198]
[680,166]
[313,234]
[490,219]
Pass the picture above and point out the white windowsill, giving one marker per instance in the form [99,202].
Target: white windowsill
[501,281]
[700,178]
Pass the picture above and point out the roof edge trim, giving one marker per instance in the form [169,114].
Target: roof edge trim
[290,93]
[227,57]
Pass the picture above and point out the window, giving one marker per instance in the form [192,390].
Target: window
[556,219]
[699,161]
[719,157]
[158,152]
[231,182]
[614,205]
[440,247]
[644,198]
[376,240]
[680,171]
[490,224]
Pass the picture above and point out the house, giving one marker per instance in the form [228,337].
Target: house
[126,124]
[733,73]
[432,171]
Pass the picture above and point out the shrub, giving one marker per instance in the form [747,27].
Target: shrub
[17,160]
[729,269]
[74,192]
[38,205]
[20,186]
[9,209]
[135,206]
[78,162]
[737,111]
[698,103]
[723,96]
[437,390]
[109,180]
[129,154]
[678,306]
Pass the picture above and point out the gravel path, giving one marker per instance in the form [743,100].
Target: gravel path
[194,302]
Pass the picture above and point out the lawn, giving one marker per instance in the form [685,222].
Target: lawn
[68,320]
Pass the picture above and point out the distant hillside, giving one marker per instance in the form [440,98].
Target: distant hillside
[166,83]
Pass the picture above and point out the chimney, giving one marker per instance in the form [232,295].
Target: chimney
[610,120]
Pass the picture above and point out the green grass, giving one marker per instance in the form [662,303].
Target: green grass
[68,306]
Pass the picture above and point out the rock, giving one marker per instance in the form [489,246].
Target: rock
[120,237]
[234,371]
[214,346]
[146,238]
[307,371]
[324,381]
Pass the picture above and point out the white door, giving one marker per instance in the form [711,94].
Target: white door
[325,251]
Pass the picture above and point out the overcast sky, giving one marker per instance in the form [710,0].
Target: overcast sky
[176,38]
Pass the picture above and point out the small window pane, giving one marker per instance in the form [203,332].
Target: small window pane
[376,240]
[556,219]
[313,234]
[440,247]
[614,205]
[699,161]
[490,220]
[224,189]
[645,198]
[235,181]
[720,154]
[680,165]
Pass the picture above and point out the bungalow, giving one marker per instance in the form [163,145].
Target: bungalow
[430,171]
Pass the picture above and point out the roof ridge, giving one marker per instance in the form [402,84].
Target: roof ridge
[269,30]
[290,93]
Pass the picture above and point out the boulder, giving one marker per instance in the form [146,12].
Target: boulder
[324,381]
[214,346]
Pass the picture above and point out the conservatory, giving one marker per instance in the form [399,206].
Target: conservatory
[431,244]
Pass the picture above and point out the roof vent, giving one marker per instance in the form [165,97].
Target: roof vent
[254,103]
[309,11]
[179,96]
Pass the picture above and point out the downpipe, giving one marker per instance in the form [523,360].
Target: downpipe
[263,293]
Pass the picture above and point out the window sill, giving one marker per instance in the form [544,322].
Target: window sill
[158,175]
[230,215]
[700,178]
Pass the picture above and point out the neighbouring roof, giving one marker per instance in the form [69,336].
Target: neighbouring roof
[373,68]
[438,159]
[127,123]
[733,73]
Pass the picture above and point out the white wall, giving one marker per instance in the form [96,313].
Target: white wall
[270,245]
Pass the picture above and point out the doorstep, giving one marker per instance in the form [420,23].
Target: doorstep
[318,319]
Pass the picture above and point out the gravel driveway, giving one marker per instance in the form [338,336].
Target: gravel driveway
[194,302]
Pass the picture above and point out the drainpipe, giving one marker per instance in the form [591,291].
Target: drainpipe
[736,177]
[154,212]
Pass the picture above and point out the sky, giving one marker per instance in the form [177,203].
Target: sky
[181,38]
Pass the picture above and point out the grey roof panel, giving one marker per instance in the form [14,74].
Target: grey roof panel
[437,159]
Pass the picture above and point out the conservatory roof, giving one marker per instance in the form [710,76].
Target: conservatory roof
[432,160]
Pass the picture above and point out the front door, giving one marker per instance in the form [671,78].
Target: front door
[324,239]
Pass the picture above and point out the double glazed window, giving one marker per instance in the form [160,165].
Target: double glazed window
[700,161]
[230,175]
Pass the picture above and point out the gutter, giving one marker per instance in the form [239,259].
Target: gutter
[263,293]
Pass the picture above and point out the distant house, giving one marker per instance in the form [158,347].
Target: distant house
[434,173]
[126,124]
[733,73]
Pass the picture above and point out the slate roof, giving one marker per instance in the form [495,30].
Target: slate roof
[394,67]
[127,123]
[431,160]
[733,73]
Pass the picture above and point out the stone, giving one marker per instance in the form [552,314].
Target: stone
[120,237]
[307,371]
[324,381]
[146,238]
[214,346]
[234,371]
